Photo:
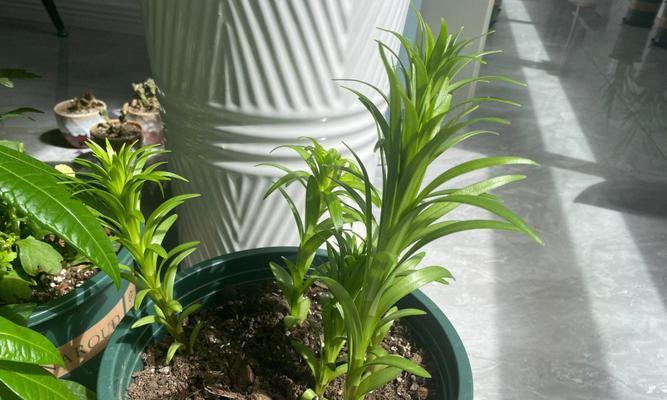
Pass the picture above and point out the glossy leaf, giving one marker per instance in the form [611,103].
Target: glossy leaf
[32,187]
[37,256]
[32,382]
[24,345]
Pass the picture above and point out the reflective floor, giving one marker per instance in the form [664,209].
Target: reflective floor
[584,317]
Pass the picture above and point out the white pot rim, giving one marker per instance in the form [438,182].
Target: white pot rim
[59,109]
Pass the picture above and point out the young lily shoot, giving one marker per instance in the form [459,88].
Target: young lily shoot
[113,185]
[326,213]
[366,275]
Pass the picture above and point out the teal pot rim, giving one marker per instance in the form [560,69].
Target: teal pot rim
[99,282]
[122,356]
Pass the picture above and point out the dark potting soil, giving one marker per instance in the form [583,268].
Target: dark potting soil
[72,276]
[115,130]
[50,287]
[244,353]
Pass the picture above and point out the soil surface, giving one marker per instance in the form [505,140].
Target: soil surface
[51,287]
[244,353]
[116,130]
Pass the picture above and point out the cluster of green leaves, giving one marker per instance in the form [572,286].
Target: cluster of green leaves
[366,276]
[113,187]
[323,184]
[22,256]
[22,354]
[34,203]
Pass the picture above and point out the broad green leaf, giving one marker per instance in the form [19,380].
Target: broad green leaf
[32,187]
[37,256]
[32,382]
[24,345]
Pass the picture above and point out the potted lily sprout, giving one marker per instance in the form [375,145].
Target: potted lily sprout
[144,108]
[303,323]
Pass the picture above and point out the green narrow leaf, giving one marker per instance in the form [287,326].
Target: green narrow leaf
[19,112]
[172,350]
[406,312]
[193,336]
[308,356]
[31,187]
[403,363]
[149,319]
[139,298]
[189,310]
[377,379]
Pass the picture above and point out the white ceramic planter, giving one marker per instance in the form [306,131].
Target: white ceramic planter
[76,127]
[241,77]
[151,125]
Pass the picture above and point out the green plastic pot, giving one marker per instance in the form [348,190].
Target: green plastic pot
[204,281]
[81,323]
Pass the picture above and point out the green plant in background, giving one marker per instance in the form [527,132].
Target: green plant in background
[322,183]
[113,187]
[145,96]
[7,77]
[368,276]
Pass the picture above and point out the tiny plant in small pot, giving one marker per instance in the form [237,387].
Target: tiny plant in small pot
[342,308]
[117,132]
[75,117]
[144,109]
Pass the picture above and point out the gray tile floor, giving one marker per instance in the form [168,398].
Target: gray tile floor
[584,317]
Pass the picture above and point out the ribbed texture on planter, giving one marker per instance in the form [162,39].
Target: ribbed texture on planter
[241,77]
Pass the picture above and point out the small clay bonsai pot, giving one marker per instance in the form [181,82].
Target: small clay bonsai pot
[150,122]
[118,133]
[75,127]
